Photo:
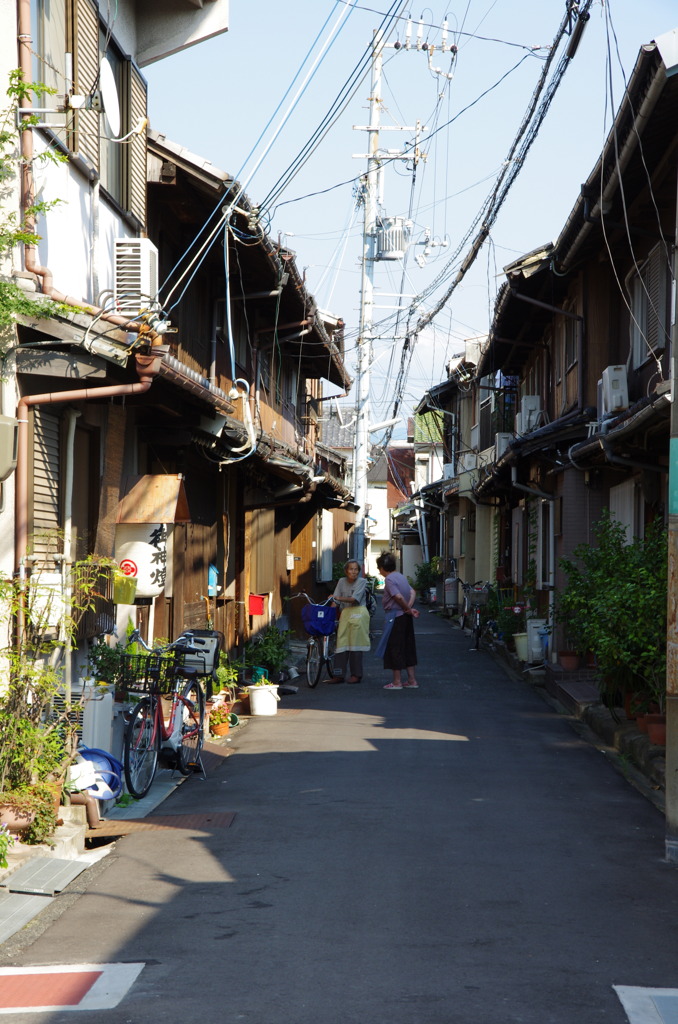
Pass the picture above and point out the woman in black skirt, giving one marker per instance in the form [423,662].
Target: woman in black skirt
[397,646]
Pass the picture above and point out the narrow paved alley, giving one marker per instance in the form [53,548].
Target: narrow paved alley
[455,854]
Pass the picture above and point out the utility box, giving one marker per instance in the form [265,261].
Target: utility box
[9,441]
[615,392]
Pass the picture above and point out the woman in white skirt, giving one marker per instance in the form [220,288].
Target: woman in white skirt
[353,634]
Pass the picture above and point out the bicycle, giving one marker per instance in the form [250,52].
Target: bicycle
[320,622]
[158,674]
[475,597]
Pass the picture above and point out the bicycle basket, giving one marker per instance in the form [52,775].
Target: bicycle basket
[148,671]
[477,596]
[319,619]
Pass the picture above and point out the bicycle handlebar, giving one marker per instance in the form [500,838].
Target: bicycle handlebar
[182,643]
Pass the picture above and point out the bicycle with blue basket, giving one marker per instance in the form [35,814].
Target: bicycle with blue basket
[320,623]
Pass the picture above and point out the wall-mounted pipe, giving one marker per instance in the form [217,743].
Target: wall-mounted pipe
[67,557]
[619,460]
[31,264]
[147,368]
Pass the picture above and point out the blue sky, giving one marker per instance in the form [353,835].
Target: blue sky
[217,98]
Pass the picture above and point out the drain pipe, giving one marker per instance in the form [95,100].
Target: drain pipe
[67,557]
[31,264]
[618,460]
[552,539]
[147,368]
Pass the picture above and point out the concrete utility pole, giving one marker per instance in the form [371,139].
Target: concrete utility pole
[672,604]
[362,409]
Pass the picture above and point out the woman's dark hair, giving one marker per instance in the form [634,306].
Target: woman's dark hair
[386,561]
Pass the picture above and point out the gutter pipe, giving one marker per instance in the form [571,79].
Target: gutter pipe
[27,194]
[147,368]
[621,161]
[618,460]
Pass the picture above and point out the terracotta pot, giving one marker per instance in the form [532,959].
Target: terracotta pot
[220,729]
[656,729]
[641,723]
[17,820]
[569,660]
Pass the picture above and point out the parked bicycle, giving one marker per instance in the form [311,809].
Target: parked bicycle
[476,596]
[161,677]
[320,623]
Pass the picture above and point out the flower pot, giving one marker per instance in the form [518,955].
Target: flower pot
[220,729]
[16,819]
[641,723]
[656,729]
[569,661]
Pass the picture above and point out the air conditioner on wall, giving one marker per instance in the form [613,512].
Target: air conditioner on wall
[530,408]
[448,470]
[136,275]
[501,443]
[614,390]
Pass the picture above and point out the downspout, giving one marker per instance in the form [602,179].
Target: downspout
[618,460]
[147,368]
[67,557]
[27,194]
[552,537]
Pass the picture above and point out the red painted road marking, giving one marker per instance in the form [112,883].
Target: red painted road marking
[27,990]
[65,987]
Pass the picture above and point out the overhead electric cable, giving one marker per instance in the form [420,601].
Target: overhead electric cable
[240,188]
[343,98]
[529,128]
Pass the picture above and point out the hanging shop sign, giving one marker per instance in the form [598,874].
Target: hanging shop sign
[141,553]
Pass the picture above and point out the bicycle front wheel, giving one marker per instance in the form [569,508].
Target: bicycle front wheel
[329,653]
[142,744]
[191,707]
[313,662]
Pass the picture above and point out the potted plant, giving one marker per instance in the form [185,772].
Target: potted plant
[614,605]
[226,674]
[38,719]
[269,649]
[220,719]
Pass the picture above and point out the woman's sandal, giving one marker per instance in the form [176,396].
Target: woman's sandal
[407,686]
[392,686]
[354,679]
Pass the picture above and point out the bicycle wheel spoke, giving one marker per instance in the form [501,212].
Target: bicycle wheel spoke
[142,742]
[313,665]
[191,708]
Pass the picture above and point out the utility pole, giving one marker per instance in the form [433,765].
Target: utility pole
[372,197]
[362,408]
[671,798]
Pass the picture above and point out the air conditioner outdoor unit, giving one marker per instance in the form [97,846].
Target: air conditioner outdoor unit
[136,275]
[501,443]
[615,394]
[530,408]
[448,471]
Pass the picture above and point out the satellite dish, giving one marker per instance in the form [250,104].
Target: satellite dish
[109,97]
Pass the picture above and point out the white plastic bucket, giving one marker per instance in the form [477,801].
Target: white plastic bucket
[520,640]
[264,699]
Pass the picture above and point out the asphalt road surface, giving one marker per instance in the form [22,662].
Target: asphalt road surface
[455,854]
